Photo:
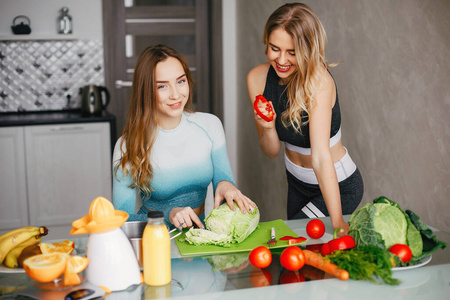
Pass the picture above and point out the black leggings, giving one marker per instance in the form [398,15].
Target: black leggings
[301,193]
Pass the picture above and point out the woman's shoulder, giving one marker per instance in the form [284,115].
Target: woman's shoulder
[258,73]
[119,143]
[119,148]
[203,119]
[326,80]
[256,79]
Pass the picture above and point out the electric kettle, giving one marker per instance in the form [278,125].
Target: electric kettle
[94,99]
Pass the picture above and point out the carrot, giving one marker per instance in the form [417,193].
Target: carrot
[317,261]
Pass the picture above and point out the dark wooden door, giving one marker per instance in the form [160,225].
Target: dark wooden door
[186,25]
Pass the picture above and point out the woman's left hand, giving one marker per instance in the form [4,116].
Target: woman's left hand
[226,190]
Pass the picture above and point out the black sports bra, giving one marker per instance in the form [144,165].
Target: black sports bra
[276,93]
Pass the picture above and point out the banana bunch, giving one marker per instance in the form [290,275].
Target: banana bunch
[14,242]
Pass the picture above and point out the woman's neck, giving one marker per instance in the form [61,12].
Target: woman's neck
[170,123]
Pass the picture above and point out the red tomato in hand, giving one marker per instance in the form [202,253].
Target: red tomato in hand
[260,257]
[292,258]
[315,229]
[401,250]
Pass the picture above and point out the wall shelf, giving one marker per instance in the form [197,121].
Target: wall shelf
[37,37]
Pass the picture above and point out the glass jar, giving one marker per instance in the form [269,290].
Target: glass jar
[156,251]
[65,22]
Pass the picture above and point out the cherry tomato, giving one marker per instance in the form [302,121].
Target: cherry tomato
[315,229]
[260,277]
[292,258]
[401,250]
[260,257]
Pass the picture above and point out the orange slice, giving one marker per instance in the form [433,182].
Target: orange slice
[45,267]
[69,243]
[75,265]
[61,247]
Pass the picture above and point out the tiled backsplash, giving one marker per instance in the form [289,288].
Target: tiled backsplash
[44,75]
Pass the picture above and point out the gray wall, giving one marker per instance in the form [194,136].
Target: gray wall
[394,94]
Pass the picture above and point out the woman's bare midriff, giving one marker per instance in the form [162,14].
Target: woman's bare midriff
[337,152]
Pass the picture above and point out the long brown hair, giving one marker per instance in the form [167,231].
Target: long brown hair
[310,41]
[141,128]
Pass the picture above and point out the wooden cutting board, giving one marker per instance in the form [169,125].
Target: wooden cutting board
[259,237]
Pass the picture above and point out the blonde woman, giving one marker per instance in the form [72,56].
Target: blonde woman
[168,153]
[322,178]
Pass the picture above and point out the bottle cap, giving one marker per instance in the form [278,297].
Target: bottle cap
[155,214]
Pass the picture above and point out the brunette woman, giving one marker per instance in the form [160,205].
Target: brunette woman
[168,153]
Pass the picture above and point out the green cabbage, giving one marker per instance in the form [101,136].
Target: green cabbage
[202,237]
[384,224]
[224,227]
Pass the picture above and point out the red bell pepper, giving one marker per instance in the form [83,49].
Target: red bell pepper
[342,243]
[325,249]
[298,240]
[269,108]
[287,238]
[292,240]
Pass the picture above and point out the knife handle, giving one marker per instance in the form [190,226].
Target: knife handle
[272,232]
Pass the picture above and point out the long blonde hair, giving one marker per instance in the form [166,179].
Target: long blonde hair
[140,131]
[310,41]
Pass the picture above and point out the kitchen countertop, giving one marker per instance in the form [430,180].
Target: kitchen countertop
[197,277]
[56,117]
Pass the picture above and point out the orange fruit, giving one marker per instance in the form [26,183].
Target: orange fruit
[69,243]
[71,279]
[61,247]
[75,265]
[45,267]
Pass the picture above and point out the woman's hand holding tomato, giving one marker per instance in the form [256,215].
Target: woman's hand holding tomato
[315,229]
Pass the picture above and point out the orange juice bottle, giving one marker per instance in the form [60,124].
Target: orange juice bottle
[156,250]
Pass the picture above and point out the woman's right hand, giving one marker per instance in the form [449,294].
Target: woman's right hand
[184,217]
[260,121]
[341,224]
[268,136]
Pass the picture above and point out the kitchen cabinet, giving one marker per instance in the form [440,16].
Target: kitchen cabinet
[13,195]
[51,173]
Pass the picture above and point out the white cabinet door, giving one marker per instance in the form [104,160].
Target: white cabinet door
[13,193]
[68,166]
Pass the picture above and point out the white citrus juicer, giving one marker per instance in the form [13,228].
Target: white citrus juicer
[112,262]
